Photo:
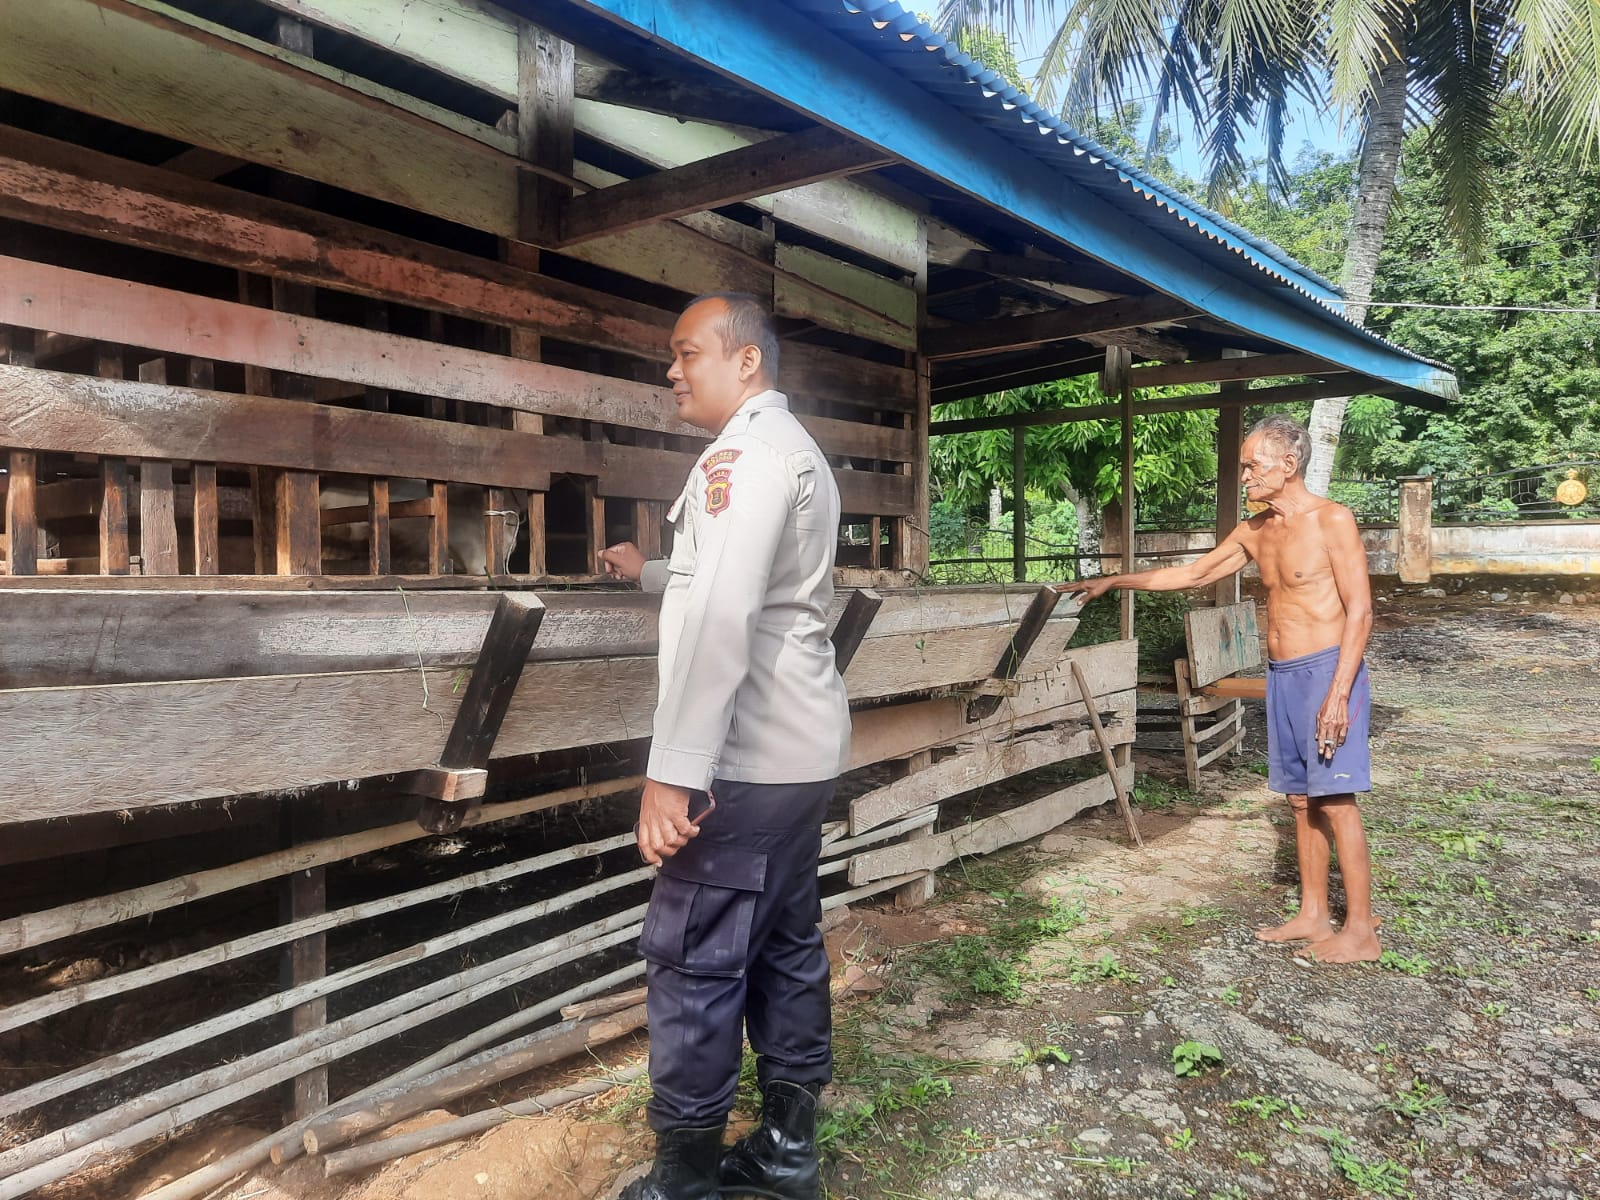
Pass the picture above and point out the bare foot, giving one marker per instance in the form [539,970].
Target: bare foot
[1347,946]
[1302,928]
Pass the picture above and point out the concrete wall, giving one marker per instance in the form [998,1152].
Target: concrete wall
[1512,548]
[1521,548]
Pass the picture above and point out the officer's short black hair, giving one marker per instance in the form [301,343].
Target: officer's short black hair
[746,323]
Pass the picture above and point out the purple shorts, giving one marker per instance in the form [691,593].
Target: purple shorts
[1296,689]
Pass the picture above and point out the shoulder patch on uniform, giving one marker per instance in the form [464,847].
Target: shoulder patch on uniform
[719,480]
[722,458]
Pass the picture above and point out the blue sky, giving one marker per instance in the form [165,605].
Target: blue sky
[1306,126]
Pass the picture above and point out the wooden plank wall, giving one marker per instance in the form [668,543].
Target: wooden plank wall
[265,325]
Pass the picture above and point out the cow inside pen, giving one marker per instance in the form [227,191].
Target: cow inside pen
[325,327]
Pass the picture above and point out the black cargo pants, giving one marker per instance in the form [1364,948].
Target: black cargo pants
[732,943]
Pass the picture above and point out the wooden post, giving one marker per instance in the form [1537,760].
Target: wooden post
[1416,529]
[490,687]
[305,959]
[1019,505]
[853,624]
[1129,534]
[545,131]
[1230,435]
[114,554]
[1113,768]
[22,481]
[911,542]
[203,478]
[378,562]
[439,528]
[158,514]
[1029,628]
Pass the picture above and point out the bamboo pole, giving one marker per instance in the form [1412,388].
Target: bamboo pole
[289,1145]
[604,1005]
[33,929]
[472,1075]
[67,998]
[125,1060]
[217,1174]
[1106,754]
[77,1146]
[388,1149]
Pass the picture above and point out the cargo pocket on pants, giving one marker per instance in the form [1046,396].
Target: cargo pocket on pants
[702,909]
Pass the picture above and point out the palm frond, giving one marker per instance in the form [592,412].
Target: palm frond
[1458,51]
[1558,65]
[1360,39]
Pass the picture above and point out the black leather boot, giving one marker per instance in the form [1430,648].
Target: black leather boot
[777,1159]
[685,1167]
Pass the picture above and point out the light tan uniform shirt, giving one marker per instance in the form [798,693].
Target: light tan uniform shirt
[748,689]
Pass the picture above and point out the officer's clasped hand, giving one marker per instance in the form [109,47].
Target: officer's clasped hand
[664,824]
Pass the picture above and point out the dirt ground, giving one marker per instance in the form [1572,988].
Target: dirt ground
[1018,1038]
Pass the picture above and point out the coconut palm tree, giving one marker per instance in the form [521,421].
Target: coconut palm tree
[1388,65]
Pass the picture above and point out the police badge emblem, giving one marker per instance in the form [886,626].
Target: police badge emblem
[718,470]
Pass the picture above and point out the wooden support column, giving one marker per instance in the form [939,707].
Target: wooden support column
[203,477]
[493,682]
[1230,426]
[305,959]
[910,534]
[544,127]
[158,510]
[1019,504]
[114,554]
[22,474]
[375,315]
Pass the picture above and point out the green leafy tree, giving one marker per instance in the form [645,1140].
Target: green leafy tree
[1389,65]
[1081,461]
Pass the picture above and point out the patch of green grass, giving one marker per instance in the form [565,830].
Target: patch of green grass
[1495,1009]
[1183,1140]
[988,964]
[1592,995]
[1194,914]
[1102,968]
[1594,764]
[1421,1102]
[1263,1108]
[1153,793]
[1194,1058]
[1252,1157]
[1464,843]
[1230,995]
[1046,1052]
[1416,965]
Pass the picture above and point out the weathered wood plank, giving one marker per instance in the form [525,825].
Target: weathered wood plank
[22,526]
[160,75]
[1223,370]
[47,410]
[475,44]
[917,662]
[181,323]
[895,303]
[842,211]
[1037,329]
[72,188]
[77,638]
[789,161]
[1222,641]
[133,745]
[900,730]
[985,836]
[978,768]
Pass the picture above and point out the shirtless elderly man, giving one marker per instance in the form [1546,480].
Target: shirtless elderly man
[1319,614]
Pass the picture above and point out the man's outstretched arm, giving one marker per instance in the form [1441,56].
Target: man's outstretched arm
[1216,564]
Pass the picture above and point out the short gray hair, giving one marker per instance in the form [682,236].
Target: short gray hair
[1286,436]
[746,323]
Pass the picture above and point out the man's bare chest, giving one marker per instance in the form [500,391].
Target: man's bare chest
[1290,557]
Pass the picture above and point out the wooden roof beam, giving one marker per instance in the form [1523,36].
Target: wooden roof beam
[1054,325]
[1231,370]
[1287,394]
[777,165]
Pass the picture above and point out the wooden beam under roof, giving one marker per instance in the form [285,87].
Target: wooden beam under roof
[1230,370]
[1054,325]
[1287,394]
[790,161]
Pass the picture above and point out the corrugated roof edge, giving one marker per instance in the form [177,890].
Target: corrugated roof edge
[1008,101]
[1012,101]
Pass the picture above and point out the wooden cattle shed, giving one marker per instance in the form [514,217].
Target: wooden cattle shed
[332,348]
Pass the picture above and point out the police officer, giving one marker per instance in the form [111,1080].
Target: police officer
[751,729]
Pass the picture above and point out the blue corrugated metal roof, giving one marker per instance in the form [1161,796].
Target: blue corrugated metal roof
[930,60]
[888,31]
